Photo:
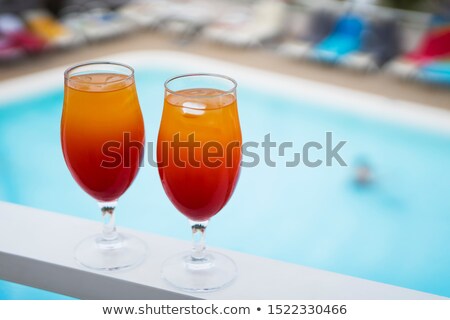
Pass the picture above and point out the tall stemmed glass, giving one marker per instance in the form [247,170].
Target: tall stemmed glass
[199,155]
[102,137]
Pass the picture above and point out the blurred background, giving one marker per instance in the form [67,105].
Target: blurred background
[403,42]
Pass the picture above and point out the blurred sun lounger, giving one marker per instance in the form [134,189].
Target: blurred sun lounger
[16,39]
[345,38]
[44,25]
[434,46]
[9,50]
[189,17]
[247,27]
[320,25]
[357,40]
[99,23]
[230,21]
[147,14]
[437,72]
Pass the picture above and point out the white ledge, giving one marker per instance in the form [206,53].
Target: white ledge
[36,249]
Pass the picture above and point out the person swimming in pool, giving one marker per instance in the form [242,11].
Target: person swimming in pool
[363,173]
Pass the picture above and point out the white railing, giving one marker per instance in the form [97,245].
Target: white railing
[36,249]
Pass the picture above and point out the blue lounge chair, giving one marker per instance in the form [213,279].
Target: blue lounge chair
[344,39]
[436,72]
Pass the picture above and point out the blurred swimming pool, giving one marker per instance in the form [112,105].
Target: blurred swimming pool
[396,231]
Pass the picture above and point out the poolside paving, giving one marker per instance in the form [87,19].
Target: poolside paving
[378,83]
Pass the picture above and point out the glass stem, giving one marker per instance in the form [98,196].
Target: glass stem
[109,225]
[198,239]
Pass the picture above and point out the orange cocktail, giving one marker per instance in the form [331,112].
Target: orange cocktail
[200,174]
[199,155]
[101,109]
[102,137]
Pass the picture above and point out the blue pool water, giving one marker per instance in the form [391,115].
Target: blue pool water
[396,231]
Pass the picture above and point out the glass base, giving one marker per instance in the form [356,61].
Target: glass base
[124,252]
[211,273]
